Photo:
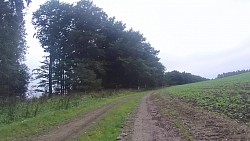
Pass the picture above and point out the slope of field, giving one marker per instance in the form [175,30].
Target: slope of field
[195,123]
[230,95]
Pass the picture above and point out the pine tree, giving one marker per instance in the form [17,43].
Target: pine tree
[13,73]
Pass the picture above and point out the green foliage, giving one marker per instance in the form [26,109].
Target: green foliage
[232,73]
[34,116]
[227,95]
[88,50]
[13,74]
[178,78]
[33,107]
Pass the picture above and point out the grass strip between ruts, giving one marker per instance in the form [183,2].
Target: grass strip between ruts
[109,128]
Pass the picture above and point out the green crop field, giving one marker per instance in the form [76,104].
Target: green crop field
[230,95]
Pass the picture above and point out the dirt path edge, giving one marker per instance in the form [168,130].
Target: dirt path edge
[146,124]
[77,127]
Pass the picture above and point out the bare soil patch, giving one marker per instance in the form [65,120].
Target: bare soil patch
[195,123]
[147,124]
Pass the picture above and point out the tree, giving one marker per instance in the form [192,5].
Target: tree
[133,63]
[178,78]
[227,74]
[53,21]
[13,73]
[88,50]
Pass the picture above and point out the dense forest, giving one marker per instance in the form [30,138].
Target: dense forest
[179,78]
[232,73]
[86,50]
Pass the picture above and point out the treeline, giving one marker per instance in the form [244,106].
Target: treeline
[232,73]
[87,50]
[179,78]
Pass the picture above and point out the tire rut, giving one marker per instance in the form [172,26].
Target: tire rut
[148,124]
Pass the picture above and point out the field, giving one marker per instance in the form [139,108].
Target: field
[210,110]
[230,95]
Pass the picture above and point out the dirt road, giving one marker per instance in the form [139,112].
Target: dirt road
[76,128]
[149,125]
[157,118]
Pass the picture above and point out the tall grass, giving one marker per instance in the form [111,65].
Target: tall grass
[18,110]
[36,115]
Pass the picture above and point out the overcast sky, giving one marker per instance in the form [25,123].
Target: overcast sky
[203,37]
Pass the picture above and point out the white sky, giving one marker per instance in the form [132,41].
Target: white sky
[203,37]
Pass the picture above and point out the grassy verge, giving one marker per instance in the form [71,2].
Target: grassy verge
[109,127]
[49,119]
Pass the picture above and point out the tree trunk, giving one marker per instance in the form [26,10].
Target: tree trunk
[50,76]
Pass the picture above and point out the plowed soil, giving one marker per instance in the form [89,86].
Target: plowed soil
[199,124]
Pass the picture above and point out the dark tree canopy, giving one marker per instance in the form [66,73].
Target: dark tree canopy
[13,73]
[87,50]
[178,78]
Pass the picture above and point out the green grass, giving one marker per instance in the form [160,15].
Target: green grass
[230,95]
[53,116]
[109,128]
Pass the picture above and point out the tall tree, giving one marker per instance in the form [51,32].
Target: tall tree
[13,73]
[53,23]
[88,50]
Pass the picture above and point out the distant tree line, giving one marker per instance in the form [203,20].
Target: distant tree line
[87,50]
[179,78]
[227,74]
